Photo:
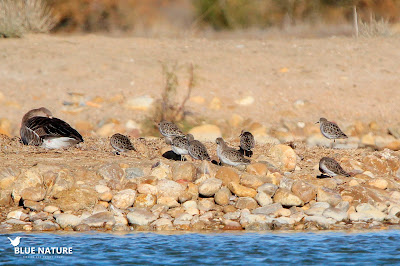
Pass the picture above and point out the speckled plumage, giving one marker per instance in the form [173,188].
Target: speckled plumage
[229,155]
[170,130]
[330,130]
[331,167]
[180,145]
[247,143]
[121,143]
[198,151]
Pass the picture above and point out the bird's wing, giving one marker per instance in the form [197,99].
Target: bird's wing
[30,137]
[52,127]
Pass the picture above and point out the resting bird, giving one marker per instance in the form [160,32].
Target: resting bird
[40,128]
[330,130]
[229,155]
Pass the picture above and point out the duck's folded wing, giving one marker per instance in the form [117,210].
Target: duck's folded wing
[30,137]
[52,127]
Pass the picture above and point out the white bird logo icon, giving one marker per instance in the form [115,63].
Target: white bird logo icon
[16,241]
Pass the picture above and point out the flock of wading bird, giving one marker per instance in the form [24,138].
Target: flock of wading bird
[40,128]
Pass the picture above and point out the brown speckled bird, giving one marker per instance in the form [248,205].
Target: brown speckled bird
[229,155]
[330,130]
[180,145]
[331,167]
[121,143]
[246,143]
[169,130]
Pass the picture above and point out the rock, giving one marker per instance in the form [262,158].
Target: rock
[106,196]
[99,208]
[283,213]
[329,196]
[232,225]
[147,189]
[375,165]
[269,209]
[232,215]
[260,169]
[335,213]
[246,203]
[5,198]
[246,101]
[222,196]
[210,186]
[124,199]
[366,212]
[206,204]
[246,218]
[33,193]
[141,103]
[100,219]
[15,214]
[8,176]
[241,191]
[101,189]
[75,199]
[133,173]
[368,140]
[318,140]
[379,183]
[162,224]
[63,182]
[65,220]
[305,191]
[263,199]
[227,175]
[111,171]
[27,179]
[82,228]
[185,171]
[320,220]
[251,181]
[168,201]
[206,132]
[286,183]
[268,189]
[45,226]
[140,217]
[286,198]
[145,201]
[34,205]
[284,157]
[215,104]
[169,188]
[162,171]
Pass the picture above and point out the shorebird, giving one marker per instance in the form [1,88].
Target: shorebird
[180,145]
[198,151]
[331,167]
[40,128]
[169,130]
[330,130]
[121,143]
[229,155]
[246,143]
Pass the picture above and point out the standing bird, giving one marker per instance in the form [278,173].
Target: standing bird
[330,130]
[229,155]
[331,167]
[169,130]
[198,151]
[246,143]
[121,143]
[180,145]
[40,128]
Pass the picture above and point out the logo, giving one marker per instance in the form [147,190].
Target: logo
[15,242]
[38,252]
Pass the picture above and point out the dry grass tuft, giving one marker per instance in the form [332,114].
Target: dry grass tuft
[375,28]
[21,16]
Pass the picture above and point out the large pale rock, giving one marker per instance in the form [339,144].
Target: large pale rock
[284,157]
[16,214]
[367,212]
[335,213]
[286,183]
[241,191]
[222,196]
[75,199]
[251,181]
[169,188]
[8,176]
[268,188]
[206,132]
[246,203]
[63,182]
[329,196]
[378,183]
[33,193]
[185,171]
[259,169]
[100,219]
[210,186]
[124,199]
[134,173]
[162,224]
[168,201]
[145,201]
[101,189]
[141,217]
[317,209]
[206,204]
[305,191]
[227,175]
[263,199]
[65,220]
[111,171]
[147,189]
[162,171]
[269,209]
[287,198]
[27,179]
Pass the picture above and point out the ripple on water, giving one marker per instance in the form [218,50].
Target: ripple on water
[222,248]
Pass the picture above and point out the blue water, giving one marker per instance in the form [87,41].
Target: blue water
[380,247]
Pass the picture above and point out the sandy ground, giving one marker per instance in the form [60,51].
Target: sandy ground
[341,78]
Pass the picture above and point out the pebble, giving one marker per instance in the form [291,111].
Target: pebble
[263,199]
[111,172]
[51,209]
[222,196]
[227,175]
[250,181]
[269,209]
[184,171]
[268,189]
[246,203]
[133,173]
[100,219]
[65,220]
[305,191]
[329,196]
[169,188]
[140,217]
[259,169]
[284,157]
[124,198]
[286,198]
[209,187]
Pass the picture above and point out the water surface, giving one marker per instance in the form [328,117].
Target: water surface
[380,247]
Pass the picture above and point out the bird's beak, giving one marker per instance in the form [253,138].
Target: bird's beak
[317,122]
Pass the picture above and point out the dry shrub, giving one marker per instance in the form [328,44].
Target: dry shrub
[20,16]
[375,28]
